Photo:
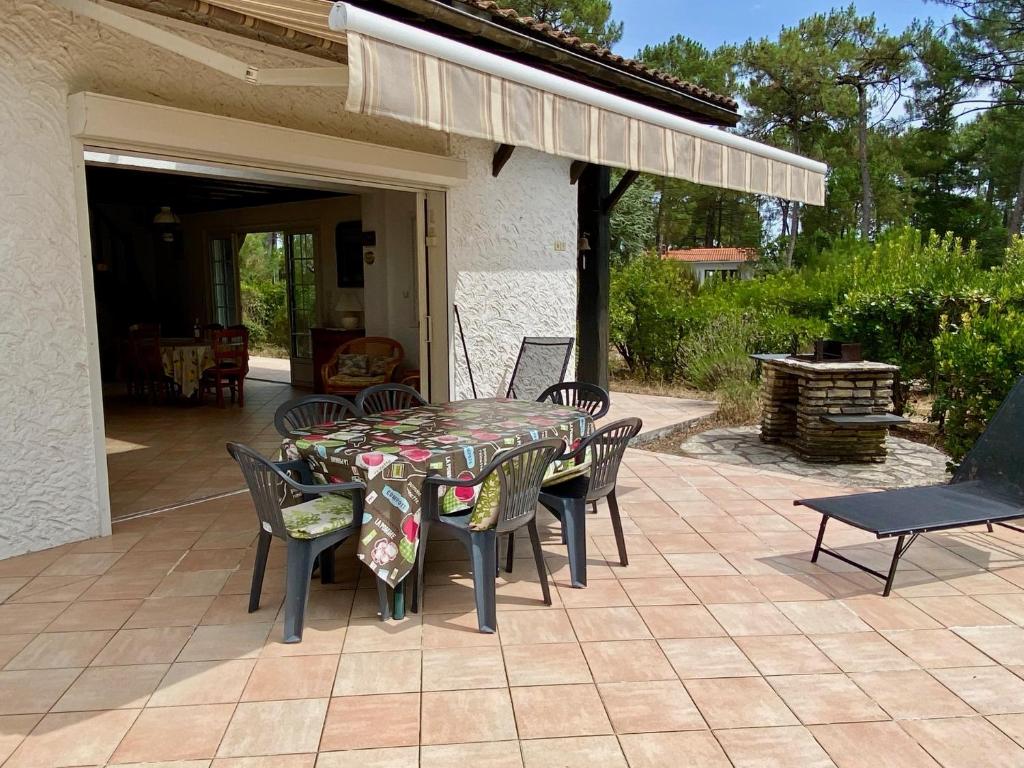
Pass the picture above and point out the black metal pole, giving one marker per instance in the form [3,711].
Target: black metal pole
[465,350]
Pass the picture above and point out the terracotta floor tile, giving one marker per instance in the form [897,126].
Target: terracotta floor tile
[627,661]
[741,702]
[73,738]
[22,618]
[94,615]
[386,757]
[650,707]
[94,564]
[680,543]
[707,657]
[123,586]
[673,621]
[456,630]
[371,634]
[550,711]
[225,641]
[862,652]
[274,761]
[788,747]
[202,682]
[191,583]
[383,672]
[234,609]
[790,587]
[143,646]
[595,624]
[953,611]
[658,591]
[54,650]
[170,612]
[498,754]
[890,613]
[598,594]
[457,717]
[699,749]
[274,728]
[379,720]
[319,638]
[291,677]
[870,745]
[546,664]
[210,560]
[174,733]
[752,619]
[785,655]
[1004,644]
[32,691]
[965,742]
[1010,607]
[1011,725]
[13,730]
[11,645]
[450,669]
[724,589]
[822,617]
[700,564]
[990,690]
[910,695]
[818,699]
[577,752]
[112,688]
[937,648]
[531,627]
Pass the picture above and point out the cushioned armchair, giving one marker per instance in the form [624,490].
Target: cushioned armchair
[361,363]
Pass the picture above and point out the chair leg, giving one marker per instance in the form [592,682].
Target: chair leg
[510,552]
[259,568]
[593,507]
[484,558]
[574,528]
[300,568]
[620,540]
[538,556]
[421,565]
[327,566]
[241,391]
[383,601]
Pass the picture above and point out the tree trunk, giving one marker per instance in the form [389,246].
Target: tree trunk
[1017,215]
[794,224]
[867,198]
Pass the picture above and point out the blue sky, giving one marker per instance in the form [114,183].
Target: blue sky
[733,21]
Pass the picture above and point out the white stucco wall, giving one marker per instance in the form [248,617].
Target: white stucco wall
[511,260]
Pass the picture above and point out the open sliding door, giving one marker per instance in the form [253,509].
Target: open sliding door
[301,259]
[432,282]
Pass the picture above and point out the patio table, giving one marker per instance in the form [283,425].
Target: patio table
[393,452]
[184,360]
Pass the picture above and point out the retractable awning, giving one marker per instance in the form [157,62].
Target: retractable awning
[404,73]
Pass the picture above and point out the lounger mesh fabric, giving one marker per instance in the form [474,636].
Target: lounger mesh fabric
[996,459]
[542,361]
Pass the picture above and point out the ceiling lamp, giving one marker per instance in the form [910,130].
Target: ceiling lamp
[167,220]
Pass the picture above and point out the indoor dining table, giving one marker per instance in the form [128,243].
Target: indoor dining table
[184,360]
[393,452]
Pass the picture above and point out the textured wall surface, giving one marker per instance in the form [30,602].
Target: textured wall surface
[509,279]
[46,416]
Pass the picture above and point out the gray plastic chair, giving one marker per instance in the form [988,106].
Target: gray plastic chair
[300,414]
[568,501]
[521,472]
[269,484]
[388,397]
[542,361]
[588,398]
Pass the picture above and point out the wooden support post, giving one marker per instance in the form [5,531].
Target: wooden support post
[501,156]
[620,189]
[576,170]
[594,277]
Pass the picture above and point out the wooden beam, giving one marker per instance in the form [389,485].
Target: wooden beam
[501,156]
[620,189]
[576,170]
[594,278]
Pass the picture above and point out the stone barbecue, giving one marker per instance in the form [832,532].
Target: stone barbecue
[828,411]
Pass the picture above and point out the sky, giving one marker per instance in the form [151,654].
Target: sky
[733,21]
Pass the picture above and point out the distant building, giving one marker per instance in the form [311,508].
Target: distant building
[716,262]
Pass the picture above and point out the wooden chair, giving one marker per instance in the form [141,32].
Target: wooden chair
[145,367]
[383,356]
[230,364]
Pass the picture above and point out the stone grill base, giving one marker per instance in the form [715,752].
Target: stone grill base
[798,393]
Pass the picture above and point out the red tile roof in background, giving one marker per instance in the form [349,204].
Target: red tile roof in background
[711,254]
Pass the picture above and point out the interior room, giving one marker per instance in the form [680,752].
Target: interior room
[181,258]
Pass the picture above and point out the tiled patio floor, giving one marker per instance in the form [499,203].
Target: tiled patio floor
[719,645]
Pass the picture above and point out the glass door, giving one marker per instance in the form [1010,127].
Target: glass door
[300,256]
[223,280]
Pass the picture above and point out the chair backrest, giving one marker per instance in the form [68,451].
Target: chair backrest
[265,485]
[388,397]
[373,346]
[607,447]
[589,398]
[996,460]
[542,361]
[231,348]
[144,344]
[304,412]
[520,474]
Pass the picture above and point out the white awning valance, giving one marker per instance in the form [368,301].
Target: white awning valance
[407,74]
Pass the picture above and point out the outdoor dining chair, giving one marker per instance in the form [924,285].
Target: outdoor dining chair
[568,501]
[542,361]
[388,397]
[328,514]
[300,414]
[509,485]
[588,398]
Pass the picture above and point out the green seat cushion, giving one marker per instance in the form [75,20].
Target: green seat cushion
[322,515]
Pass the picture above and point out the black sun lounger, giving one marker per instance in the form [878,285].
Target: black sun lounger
[988,488]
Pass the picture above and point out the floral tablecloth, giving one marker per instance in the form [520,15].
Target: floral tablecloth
[184,361]
[393,452]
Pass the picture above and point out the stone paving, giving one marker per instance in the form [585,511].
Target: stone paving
[909,463]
